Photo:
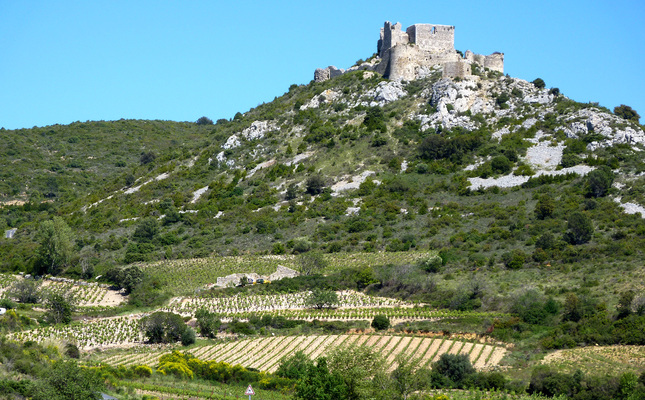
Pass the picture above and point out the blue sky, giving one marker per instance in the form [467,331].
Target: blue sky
[65,61]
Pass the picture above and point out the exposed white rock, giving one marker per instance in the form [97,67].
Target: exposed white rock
[327,96]
[631,208]
[299,157]
[348,183]
[498,134]
[232,142]
[257,130]
[386,92]
[544,156]
[198,193]
[541,97]
[507,181]
[260,166]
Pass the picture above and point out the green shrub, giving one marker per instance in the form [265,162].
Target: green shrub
[579,229]
[514,259]
[380,322]
[539,83]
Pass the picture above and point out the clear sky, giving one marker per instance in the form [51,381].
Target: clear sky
[65,61]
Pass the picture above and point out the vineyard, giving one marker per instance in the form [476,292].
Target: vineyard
[265,353]
[185,276]
[599,359]
[106,332]
[270,303]
[85,294]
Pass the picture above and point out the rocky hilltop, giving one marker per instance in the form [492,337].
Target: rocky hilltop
[351,162]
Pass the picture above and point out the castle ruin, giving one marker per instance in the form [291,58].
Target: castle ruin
[412,54]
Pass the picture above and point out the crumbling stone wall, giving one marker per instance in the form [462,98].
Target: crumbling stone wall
[456,69]
[406,55]
[433,38]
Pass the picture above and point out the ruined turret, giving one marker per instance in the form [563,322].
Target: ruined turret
[411,54]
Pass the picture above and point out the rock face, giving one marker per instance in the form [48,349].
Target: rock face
[611,127]
[409,55]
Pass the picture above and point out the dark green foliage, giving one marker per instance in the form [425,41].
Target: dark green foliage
[292,192]
[570,160]
[579,228]
[514,259]
[67,381]
[56,246]
[311,263]
[375,119]
[146,230]
[624,307]
[380,322]
[147,157]
[315,184]
[454,367]
[501,165]
[533,308]
[322,298]
[188,337]
[72,351]
[599,181]
[539,83]
[544,207]
[318,383]
[204,121]
[627,113]
[127,278]
[546,241]
[163,327]
[295,366]
[579,386]
[59,309]
[208,323]
[431,264]
[26,290]
[437,147]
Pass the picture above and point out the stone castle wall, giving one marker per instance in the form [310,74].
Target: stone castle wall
[408,55]
[434,38]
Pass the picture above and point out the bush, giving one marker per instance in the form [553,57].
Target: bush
[539,83]
[544,207]
[580,229]
[380,322]
[455,367]
[627,113]
[315,185]
[147,157]
[163,327]
[501,165]
[188,337]
[514,259]
[599,181]
[375,119]
[204,121]
[431,264]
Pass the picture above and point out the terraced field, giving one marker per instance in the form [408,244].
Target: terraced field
[265,353]
[85,294]
[610,360]
[185,275]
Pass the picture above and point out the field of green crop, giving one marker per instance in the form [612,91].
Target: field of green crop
[265,353]
[600,360]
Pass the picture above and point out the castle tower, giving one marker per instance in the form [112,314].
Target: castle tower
[433,38]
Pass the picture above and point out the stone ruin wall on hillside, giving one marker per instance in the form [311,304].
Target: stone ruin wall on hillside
[409,55]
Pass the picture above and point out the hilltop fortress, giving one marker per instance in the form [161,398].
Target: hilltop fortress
[414,53]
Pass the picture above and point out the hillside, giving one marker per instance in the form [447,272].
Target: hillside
[353,163]
[493,214]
